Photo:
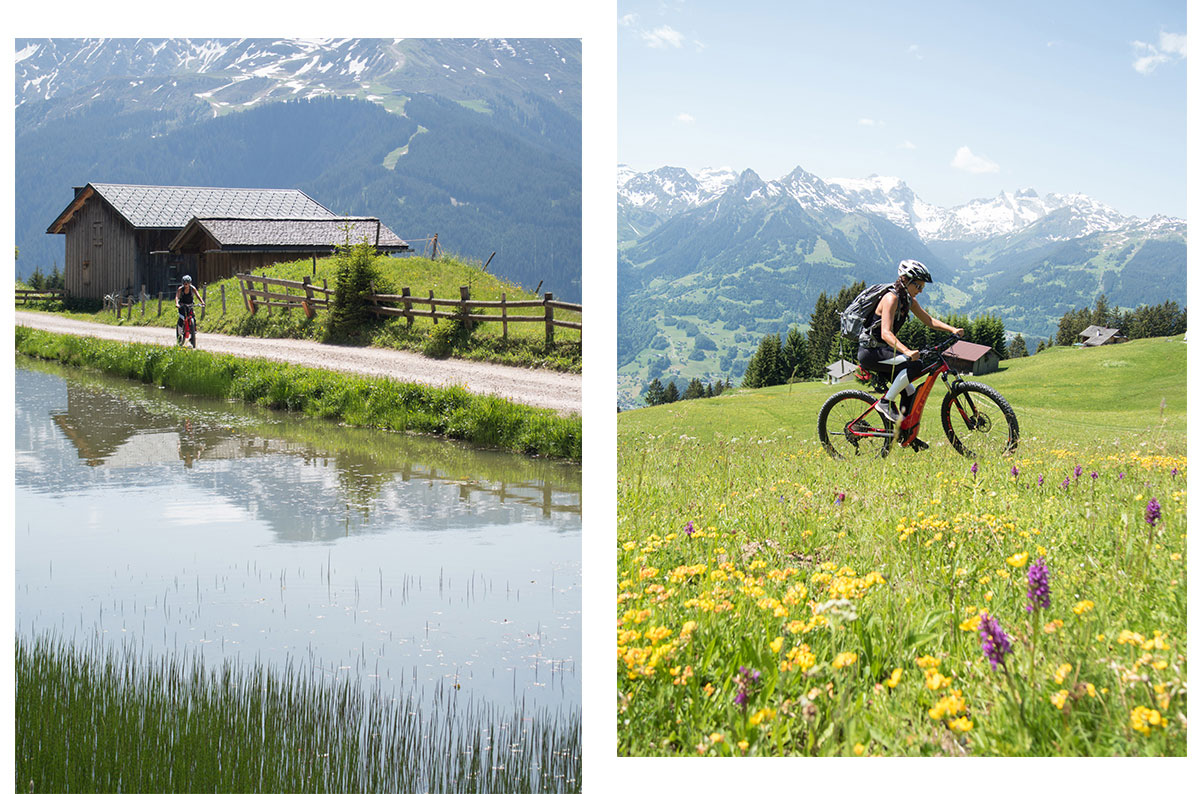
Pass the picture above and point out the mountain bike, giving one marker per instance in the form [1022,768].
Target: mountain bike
[978,422]
[186,327]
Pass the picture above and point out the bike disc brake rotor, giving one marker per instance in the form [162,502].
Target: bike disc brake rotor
[980,422]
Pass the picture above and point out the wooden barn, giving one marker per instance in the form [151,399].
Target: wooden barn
[972,358]
[119,238]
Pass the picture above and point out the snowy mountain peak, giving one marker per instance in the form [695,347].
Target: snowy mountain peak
[1053,216]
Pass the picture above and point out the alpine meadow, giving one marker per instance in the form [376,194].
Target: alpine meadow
[775,601]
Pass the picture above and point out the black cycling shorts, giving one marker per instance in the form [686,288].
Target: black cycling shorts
[888,362]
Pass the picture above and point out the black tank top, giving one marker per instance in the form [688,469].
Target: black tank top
[187,295]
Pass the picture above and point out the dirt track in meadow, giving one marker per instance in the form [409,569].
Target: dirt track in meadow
[559,391]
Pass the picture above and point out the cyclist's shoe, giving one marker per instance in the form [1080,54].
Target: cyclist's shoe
[906,401]
[888,411]
[918,445]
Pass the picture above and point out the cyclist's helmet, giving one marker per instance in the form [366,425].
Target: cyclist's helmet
[914,271]
[187,279]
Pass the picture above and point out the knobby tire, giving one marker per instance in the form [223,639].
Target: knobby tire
[992,430]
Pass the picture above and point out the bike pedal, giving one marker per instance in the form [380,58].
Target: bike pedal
[918,445]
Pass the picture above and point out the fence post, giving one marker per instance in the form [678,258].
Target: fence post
[407,295]
[549,318]
[432,305]
[504,314]
[267,295]
[160,303]
[307,304]
[129,311]
[203,300]
[464,294]
[247,298]
[222,299]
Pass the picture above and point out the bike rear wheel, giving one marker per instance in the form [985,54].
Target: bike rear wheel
[979,422]
[841,426]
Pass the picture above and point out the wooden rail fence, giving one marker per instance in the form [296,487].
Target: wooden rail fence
[402,306]
[27,296]
[256,292]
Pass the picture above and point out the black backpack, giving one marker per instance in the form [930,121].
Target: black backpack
[861,310]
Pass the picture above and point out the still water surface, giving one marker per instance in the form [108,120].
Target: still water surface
[179,524]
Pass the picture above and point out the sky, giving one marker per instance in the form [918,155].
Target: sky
[961,100]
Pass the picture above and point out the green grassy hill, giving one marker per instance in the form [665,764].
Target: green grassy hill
[525,345]
[1064,393]
[774,601]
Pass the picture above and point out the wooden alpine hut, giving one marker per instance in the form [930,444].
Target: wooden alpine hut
[125,238]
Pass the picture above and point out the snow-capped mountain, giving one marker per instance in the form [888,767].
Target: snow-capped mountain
[668,191]
[430,135]
[751,257]
[234,74]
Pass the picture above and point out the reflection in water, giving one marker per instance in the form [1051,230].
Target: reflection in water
[181,522]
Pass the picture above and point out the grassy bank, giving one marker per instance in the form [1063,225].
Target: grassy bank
[91,719]
[525,345]
[356,401]
[773,601]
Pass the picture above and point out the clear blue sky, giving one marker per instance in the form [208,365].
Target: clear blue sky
[959,99]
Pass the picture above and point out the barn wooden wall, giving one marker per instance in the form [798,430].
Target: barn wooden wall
[100,237]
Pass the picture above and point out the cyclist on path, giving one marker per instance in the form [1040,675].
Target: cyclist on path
[880,351]
[184,297]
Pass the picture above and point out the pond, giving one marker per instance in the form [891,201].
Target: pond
[184,525]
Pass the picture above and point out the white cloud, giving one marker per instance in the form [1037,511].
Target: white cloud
[915,51]
[906,145]
[628,20]
[966,160]
[869,123]
[662,37]
[1170,47]
[686,118]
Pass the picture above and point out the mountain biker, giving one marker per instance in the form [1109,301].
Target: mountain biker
[880,351]
[184,297]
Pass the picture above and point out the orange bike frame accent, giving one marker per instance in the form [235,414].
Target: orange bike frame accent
[912,421]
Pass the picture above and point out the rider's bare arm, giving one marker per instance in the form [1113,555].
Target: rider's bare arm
[933,322]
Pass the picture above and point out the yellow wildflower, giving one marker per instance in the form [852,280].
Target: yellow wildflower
[716,738]
[928,661]
[844,659]
[859,749]
[971,623]
[1083,606]
[894,679]
[961,724]
[1019,559]
[776,644]
[743,745]
[688,628]
[1059,699]
[1062,672]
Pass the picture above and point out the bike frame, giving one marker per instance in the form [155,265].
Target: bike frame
[906,432]
[189,323]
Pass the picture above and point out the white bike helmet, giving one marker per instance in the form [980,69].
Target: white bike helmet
[914,271]
[188,279]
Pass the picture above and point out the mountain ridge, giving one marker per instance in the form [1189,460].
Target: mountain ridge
[750,256]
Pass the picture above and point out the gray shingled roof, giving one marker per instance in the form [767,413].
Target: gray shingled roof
[310,232]
[840,369]
[1101,337]
[154,206]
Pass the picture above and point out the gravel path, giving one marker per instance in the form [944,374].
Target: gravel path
[559,391]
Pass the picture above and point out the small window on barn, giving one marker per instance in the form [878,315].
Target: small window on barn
[85,269]
[97,233]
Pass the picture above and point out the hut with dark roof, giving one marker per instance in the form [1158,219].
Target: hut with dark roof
[125,238]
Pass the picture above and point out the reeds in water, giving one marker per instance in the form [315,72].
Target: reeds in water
[98,718]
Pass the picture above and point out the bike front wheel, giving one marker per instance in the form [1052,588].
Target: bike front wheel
[848,428]
[979,422]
